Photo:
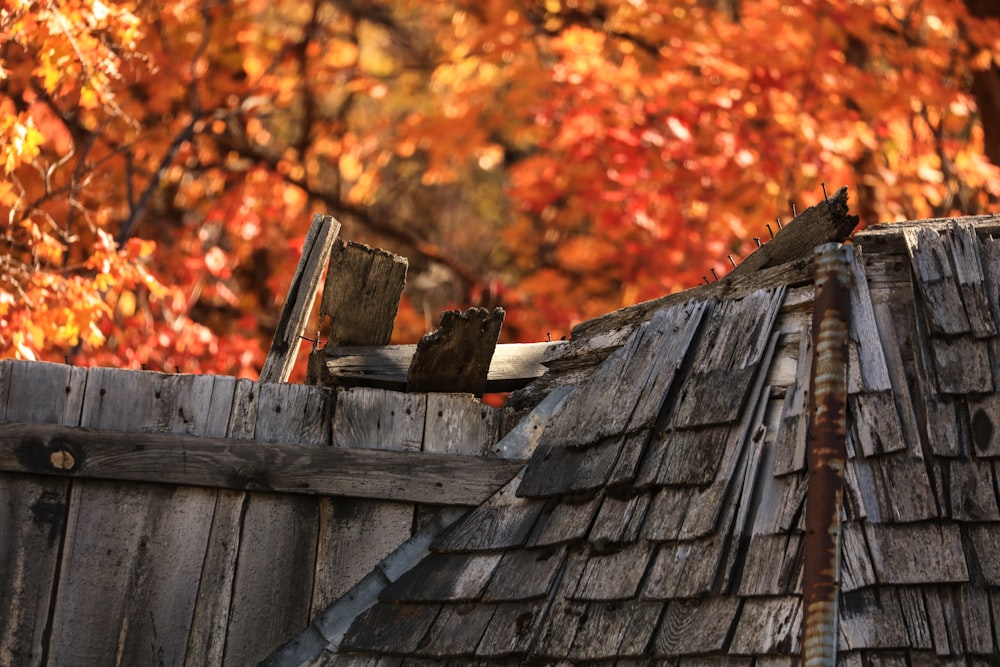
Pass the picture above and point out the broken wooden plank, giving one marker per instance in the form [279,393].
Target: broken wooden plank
[513,365]
[301,296]
[445,479]
[361,295]
[826,222]
[360,299]
[456,356]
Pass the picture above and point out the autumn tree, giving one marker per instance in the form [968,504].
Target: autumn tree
[161,161]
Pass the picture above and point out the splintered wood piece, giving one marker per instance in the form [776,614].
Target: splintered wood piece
[362,293]
[826,222]
[456,357]
[301,297]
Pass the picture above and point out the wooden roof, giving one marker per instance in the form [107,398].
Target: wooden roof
[660,516]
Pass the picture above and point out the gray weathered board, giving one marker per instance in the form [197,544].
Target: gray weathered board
[513,365]
[139,572]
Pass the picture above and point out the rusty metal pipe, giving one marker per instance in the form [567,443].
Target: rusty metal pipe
[826,454]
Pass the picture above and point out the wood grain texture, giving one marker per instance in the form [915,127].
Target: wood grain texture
[914,554]
[33,510]
[456,356]
[731,347]
[630,385]
[512,366]
[297,309]
[132,550]
[611,630]
[443,577]
[936,282]
[361,294]
[278,540]
[826,222]
[394,628]
[768,625]
[504,521]
[355,534]
[460,424]
[525,574]
[251,465]
[696,626]
[213,605]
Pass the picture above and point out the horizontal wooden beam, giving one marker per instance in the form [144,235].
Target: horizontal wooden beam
[513,366]
[419,477]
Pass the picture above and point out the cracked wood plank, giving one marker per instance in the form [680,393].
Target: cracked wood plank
[301,296]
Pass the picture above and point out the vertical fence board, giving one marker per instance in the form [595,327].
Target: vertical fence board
[32,509]
[133,554]
[273,585]
[356,534]
[207,641]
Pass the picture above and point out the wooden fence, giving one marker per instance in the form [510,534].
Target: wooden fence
[154,519]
